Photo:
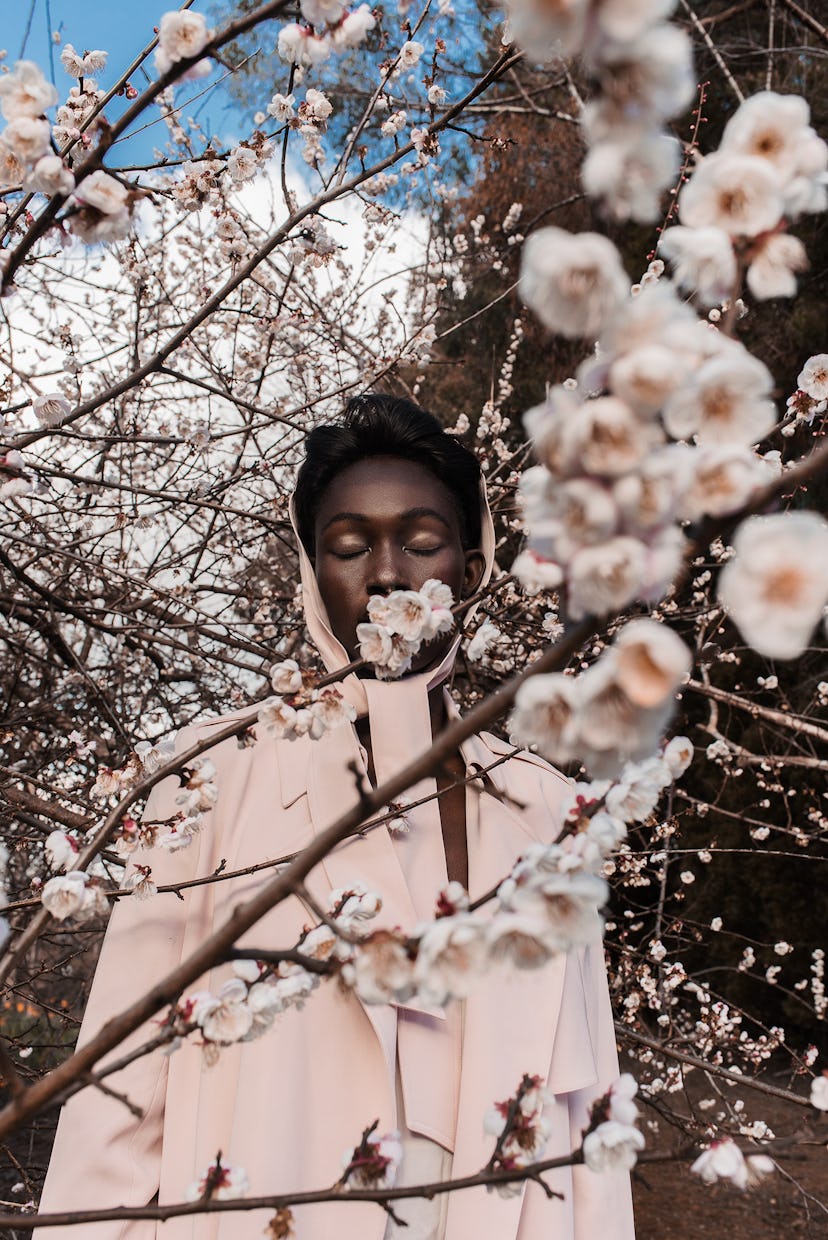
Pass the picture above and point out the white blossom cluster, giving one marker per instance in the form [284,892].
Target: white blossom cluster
[300,710]
[643,70]
[548,904]
[598,813]
[74,895]
[613,1141]
[819,1092]
[182,34]
[374,1163]
[219,1182]
[327,26]
[775,586]
[723,1160]
[605,504]
[247,1004]
[770,168]
[25,143]
[522,1131]
[613,712]
[399,623]
[100,207]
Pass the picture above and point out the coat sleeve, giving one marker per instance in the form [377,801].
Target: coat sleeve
[585,1055]
[602,1200]
[103,1155]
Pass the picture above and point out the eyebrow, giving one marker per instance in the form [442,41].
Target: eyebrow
[411,514]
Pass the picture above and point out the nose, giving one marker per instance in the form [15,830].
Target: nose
[387,570]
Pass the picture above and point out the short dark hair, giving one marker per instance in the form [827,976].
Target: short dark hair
[382,425]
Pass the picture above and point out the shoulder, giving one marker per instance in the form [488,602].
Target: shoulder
[529,780]
[521,763]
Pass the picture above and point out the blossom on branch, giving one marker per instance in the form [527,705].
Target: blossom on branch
[612,1146]
[813,378]
[374,1163]
[573,282]
[723,1160]
[522,1131]
[738,194]
[775,587]
[65,895]
[181,34]
[819,1092]
[219,1182]
[78,66]
[400,622]
[25,91]
[60,849]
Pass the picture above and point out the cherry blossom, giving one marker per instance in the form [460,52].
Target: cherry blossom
[25,92]
[819,1092]
[181,34]
[51,409]
[776,128]
[224,1018]
[573,282]
[703,261]
[545,714]
[727,400]
[374,1163]
[813,378]
[738,194]
[723,1160]
[451,954]
[678,754]
[103,192]
[64,896]
[642,81]
[409,55]
[521,1128]
[650,662]
[50,176]
[773,270]
[140,883]
[776,585]
[219,1182]
[60,849]
[612,1146]
[320,13]
[621,1094]
[27,136]
[282,107]
[78,66]
[382,969]
[354,27]
[299,45]
[724,478]
[551,30]
[399,623]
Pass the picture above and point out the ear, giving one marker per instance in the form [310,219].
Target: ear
[473,574]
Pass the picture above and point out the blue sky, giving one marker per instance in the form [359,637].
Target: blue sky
[120,27]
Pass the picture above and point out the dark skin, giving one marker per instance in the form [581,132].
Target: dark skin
[387,524]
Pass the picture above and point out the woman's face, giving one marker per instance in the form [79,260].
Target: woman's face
[388,524]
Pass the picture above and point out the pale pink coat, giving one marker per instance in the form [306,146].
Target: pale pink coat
[287,1106]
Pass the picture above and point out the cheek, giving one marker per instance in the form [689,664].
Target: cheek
[341,589]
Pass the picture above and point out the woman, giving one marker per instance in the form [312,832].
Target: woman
[384,500]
